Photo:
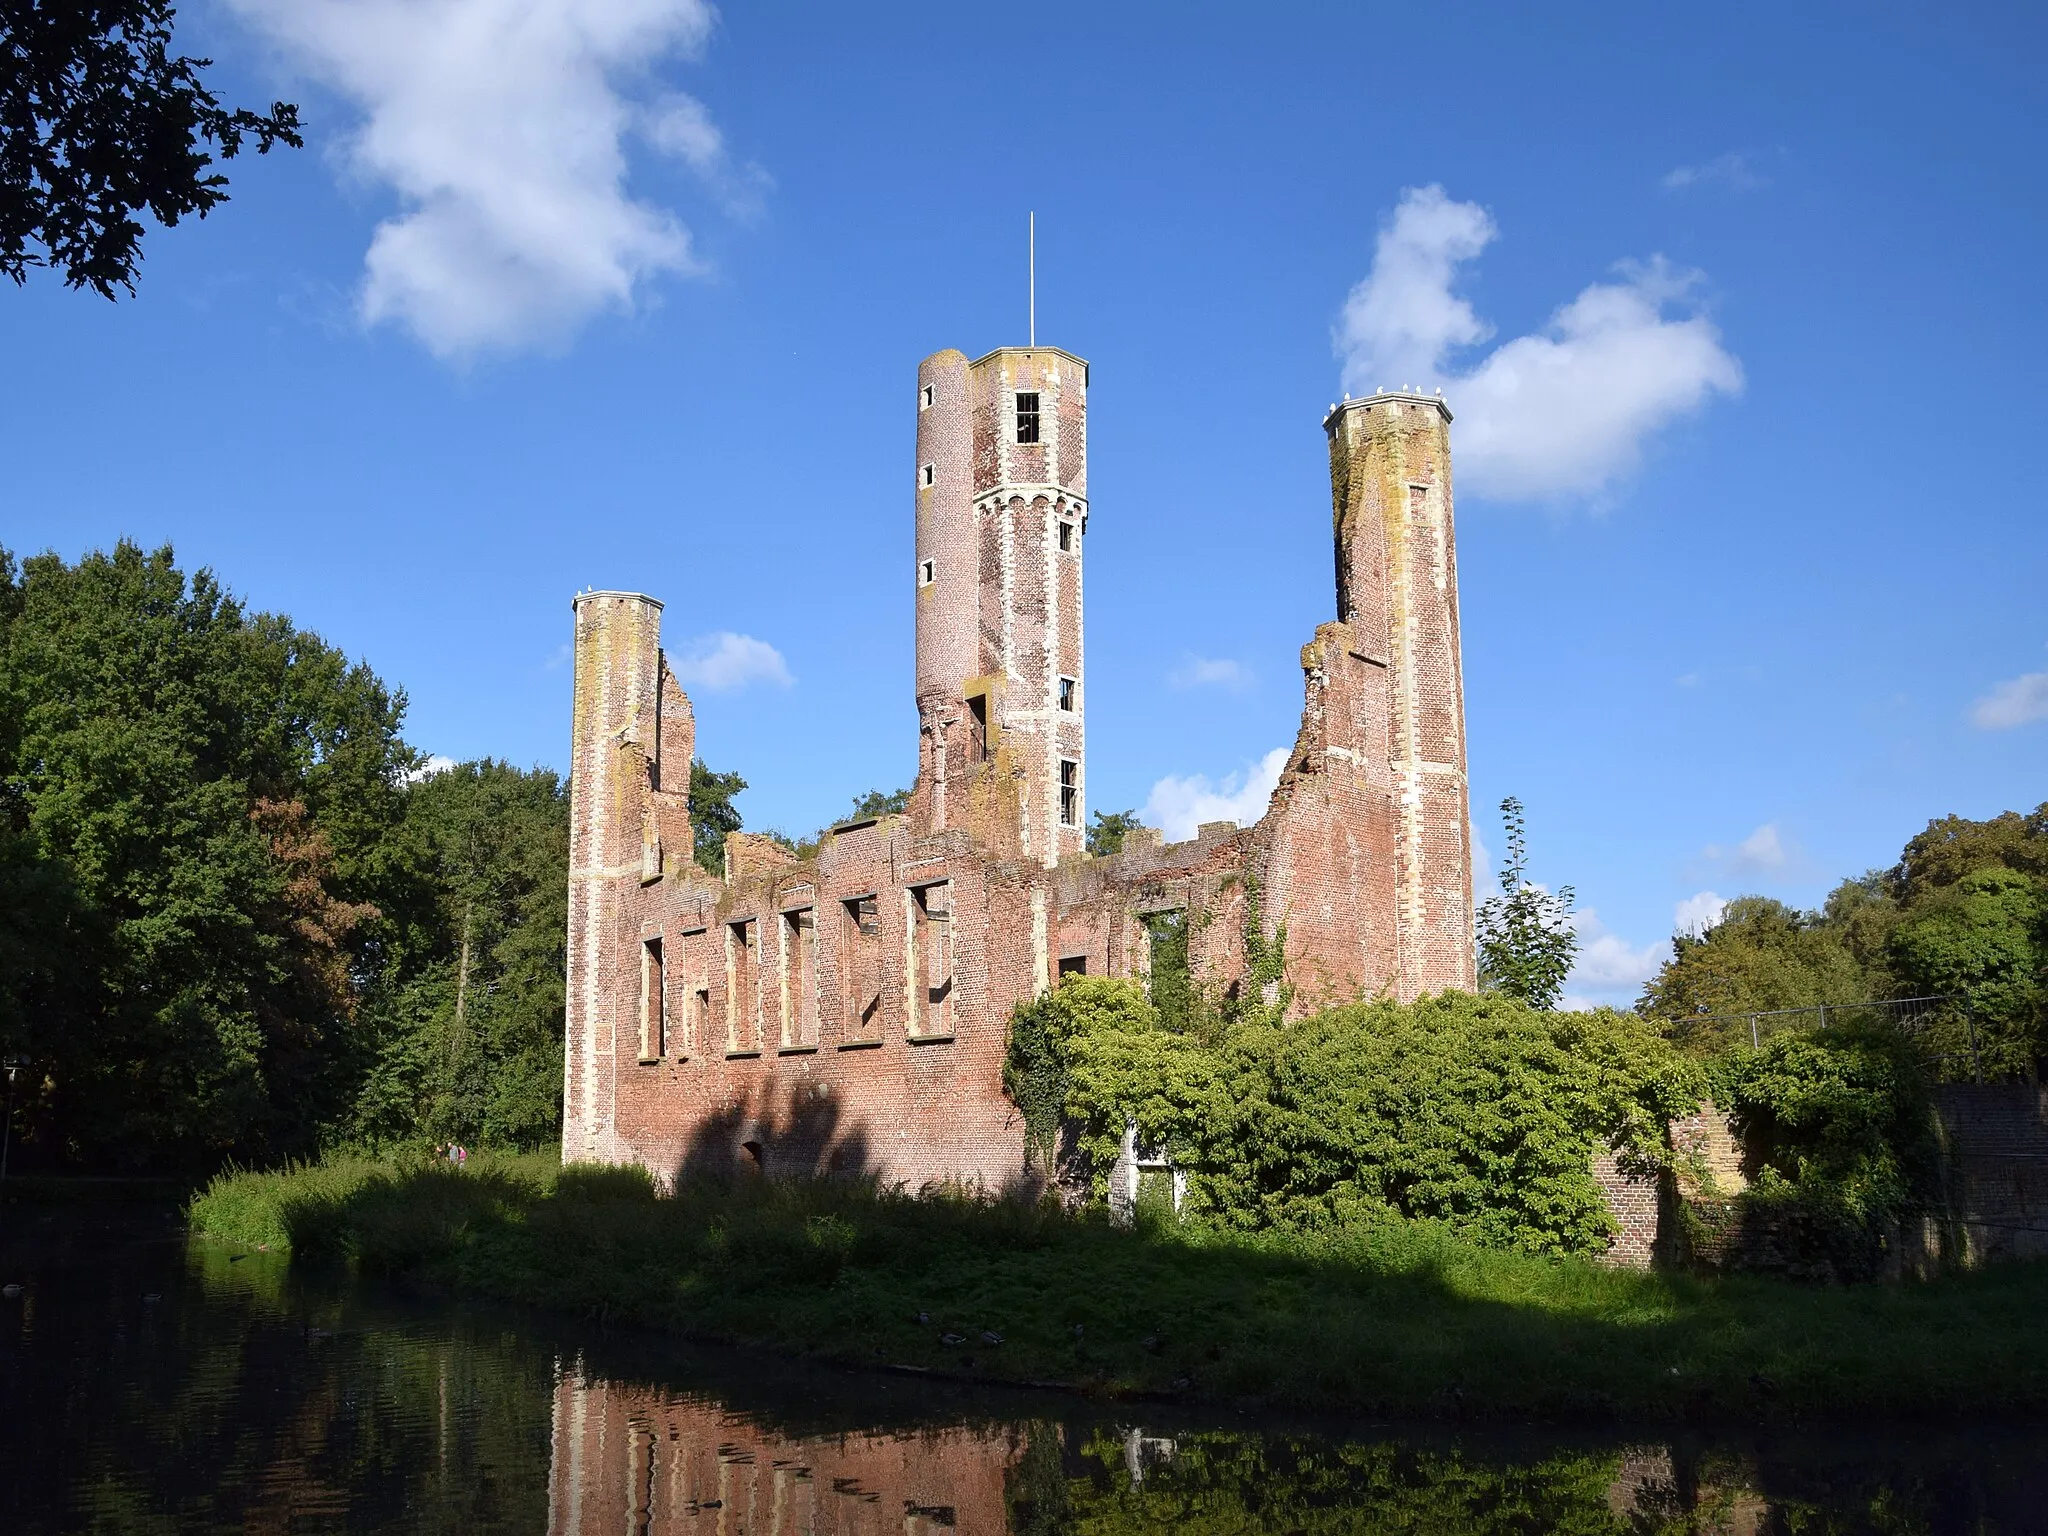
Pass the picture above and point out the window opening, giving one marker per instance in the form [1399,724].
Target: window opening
[1066,537]
[932,936]
[742,987]
[1070,792]
[799,979]
[653,1003]
[1027,418]
[926,570]
[929,473]
[861,967]
[1073,965]
[1067,694]
[977,728]
[1170,981]
[924,398]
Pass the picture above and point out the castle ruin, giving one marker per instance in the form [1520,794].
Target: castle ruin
[848,1012]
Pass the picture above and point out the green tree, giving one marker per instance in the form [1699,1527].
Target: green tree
[462,1036]
[1984,939]
[875,804]
[1106,833]
[200,794]
[712,813]
[1527,941]
[98,122]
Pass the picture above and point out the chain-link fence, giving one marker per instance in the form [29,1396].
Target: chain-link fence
[1944,1028]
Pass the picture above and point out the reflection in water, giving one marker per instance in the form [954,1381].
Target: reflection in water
[150,1386]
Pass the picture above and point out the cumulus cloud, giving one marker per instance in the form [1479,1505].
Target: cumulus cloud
[1178,805]
[427,768]
[2019,701]
[1763,849]
[1731,170]
[501,127]
[1203,672]
[725,663]
[1563,412]
[1697,913]
[1606,961]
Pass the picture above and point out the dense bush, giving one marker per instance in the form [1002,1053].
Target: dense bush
[1481,1112]
[1838,1126]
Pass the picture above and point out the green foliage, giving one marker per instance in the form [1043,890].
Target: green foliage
[1481,1112]
[712,813]
[1761,955]
[1107,831]
[875,804]
[461,1036]
[1527,941]
[1963,914]
[1035,1077]
[194,799]
[1838,1122]
[1984,938]
[99,121]
[1388,1318]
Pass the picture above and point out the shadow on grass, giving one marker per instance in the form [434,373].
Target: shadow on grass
[1401,1318]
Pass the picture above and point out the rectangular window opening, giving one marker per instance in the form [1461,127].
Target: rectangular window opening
[799,978]
[924,398]
[1027,418]
[932,943]
[742,986]
[1067,694]
[1070,792]
[977,728]
[1073,965]
[1066,537]
[653,1003]
[928,474]
[926,571]
[860,967]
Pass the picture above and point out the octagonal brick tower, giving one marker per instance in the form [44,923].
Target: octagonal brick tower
[1397,585]
[1002,514]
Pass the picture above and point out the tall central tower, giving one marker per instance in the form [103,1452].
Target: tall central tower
[1002,515]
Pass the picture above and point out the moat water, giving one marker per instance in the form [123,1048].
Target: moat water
[148,1383]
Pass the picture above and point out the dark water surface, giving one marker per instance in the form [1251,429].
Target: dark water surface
[148,1384]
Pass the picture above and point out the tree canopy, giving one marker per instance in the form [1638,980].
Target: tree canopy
[100,121]
[1527,941]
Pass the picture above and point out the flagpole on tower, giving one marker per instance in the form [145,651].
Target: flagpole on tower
[1033,246]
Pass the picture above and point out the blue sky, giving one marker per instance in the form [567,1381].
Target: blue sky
[1740,316]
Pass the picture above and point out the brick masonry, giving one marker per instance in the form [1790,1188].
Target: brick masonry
[848,1013]
[1992,1202]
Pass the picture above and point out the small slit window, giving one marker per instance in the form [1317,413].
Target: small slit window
[925,573]
[1067,694]
[1027,418]
[1066,537]
[1070,792]
[928,475]
[924,398]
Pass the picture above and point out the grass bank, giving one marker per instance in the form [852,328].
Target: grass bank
[1399,1320]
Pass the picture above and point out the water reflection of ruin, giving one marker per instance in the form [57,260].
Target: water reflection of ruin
[639,1460]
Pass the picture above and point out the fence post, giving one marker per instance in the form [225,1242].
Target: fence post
[1754,1044]
[1823,1015]
[1976,1062]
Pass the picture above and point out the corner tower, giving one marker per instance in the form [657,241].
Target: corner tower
[1002,516]
[1397,586]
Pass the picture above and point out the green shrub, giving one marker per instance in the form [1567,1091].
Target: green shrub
[1481,1112]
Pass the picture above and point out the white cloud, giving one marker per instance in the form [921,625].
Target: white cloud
[1732,170]
[1697,913]
[2018,701]
[1560,413]
[725,662]
[427,768]
[499,125]
[1606,961]
[1203,672]
[1177,805]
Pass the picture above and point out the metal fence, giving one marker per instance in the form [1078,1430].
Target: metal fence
[1944,1028]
